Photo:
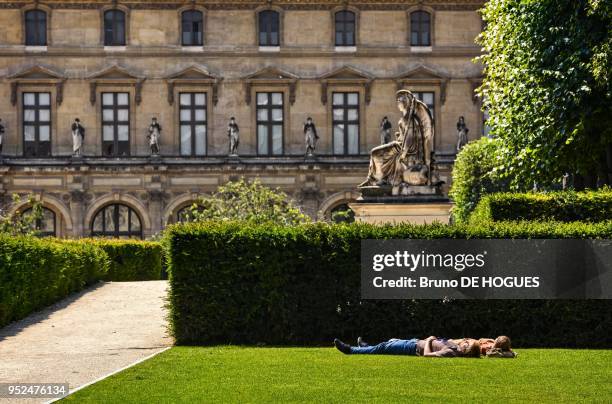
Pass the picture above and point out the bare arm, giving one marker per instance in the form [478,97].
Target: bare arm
[428,348]
[445,353]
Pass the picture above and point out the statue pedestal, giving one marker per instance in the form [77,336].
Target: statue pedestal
[415,209]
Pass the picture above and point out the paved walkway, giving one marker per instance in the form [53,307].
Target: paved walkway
[87,335]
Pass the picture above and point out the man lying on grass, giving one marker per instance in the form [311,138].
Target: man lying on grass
[432,347]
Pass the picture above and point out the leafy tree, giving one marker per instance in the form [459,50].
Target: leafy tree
[248,201]
[16,223]
[548,68]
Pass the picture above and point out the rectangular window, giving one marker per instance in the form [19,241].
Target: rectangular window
[114,28]
[428,98]
[116,124]
[36,28]
[192,24]
[192,122]
[270,124]
[269,28]
[420,27]
[36,124]
[345,28]
[345,121]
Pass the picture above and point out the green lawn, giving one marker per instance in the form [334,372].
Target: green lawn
[324,375]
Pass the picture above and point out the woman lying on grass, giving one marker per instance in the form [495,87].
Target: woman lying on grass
[433,347]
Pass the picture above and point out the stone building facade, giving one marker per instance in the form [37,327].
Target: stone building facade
[193,65]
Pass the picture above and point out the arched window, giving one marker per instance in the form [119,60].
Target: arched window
[45,225]
[342,214]
[420,28]
[35,28]
[116,220]
[192,24]
[345,28]
[269,28]
[114,28]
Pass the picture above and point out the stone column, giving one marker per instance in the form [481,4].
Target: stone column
[77,213]
[155,211]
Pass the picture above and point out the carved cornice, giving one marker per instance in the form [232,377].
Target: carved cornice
[270,76]
[423,75]
[456,5]
[115,75]
[37,76]
[193,75]
[346,75]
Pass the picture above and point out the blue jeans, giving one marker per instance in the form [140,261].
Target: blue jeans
[391,347]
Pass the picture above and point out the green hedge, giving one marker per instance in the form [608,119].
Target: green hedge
[475,174]
[234,283]
[131,260]
[566,206]
[35,273]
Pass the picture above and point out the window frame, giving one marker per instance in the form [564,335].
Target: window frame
[116,233]
[197,39]
[268,26]
[114,23]
[345,106]
[432,26]
[193,123]
[38,31]
[344,32]
[419,96]
[37,124]
[270,123]
[115,123]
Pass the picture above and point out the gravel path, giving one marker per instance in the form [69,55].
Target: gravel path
[86,336]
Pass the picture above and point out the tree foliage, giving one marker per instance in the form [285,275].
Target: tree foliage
[248,201]
[16,223]
[548,70]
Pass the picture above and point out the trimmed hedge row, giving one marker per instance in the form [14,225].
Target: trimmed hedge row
[131,260]
[244,284]
[566,206]
[35,273]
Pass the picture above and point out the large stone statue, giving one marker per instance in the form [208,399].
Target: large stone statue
[233,132]
[385,130]
[310,136]
[153,135]
[78,135]
[1,135]
[462,133]
[405,161]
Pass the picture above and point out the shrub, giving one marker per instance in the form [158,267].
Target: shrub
[248,201]
[131,260]
[17,224]
[35,273]
[237,283]
[565,206]
[475,175]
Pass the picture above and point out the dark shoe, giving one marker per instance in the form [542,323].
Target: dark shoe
[342,347]
[362,343]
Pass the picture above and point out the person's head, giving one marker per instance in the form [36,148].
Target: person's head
[154,119]
[309,120]
[232,119]
[77,120]
[461,119]
[502,342]
[404,99]
[469,347]
[385,118]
